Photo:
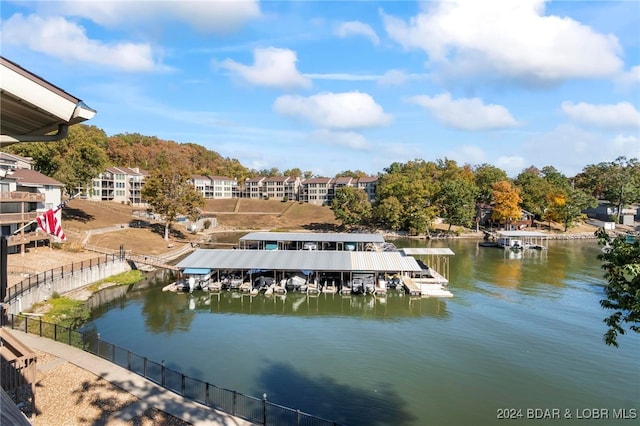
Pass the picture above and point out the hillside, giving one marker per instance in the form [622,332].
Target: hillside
[81,216]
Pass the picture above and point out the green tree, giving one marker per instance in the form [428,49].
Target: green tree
[170,193]
[485,176]
[74,160]
[389,212]
[617,181]
[535,191]
[567,207]
[456,201]
[414,186]
[351,206]
[621,263]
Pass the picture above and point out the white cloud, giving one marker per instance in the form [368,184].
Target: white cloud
[343,77]
[569,148]
[512,165]
[619,116]
[397,77]
[351,140]
[348,110]
[205,16]
[63,39]
[272,67]
[508,38]
[629,79]
[466,114]
[468,154]
[345,29]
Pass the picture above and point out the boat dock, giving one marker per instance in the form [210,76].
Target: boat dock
[316,263]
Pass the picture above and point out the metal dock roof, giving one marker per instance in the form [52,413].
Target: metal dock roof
[427,251]
[296,260]
[516,234]
[314,236]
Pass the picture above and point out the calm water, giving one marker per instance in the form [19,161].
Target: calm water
[518,334]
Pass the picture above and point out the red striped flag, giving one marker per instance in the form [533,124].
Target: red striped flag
[50,223]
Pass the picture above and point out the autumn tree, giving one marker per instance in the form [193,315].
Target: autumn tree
[170,193]
[506,199]
[485,176]
[351,206]
[566,207]
[621,263]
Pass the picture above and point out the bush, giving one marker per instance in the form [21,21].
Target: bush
[207,224]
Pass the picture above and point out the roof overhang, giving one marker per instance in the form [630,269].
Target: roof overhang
[31,108]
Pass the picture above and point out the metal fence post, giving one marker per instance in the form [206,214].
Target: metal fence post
[129,360]
[183,386]
[40,326]
[144,367]
[69,336]
[235,401]
[264,409]
[162,373]
[206,394]
[26,327]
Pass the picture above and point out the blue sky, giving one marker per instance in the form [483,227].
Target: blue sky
[334,85]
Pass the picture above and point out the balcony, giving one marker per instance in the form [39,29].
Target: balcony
[19,196]
[15,240]
[8,218]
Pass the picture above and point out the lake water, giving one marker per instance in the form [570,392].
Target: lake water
[521,334]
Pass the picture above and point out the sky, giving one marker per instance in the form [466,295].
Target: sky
[328,86]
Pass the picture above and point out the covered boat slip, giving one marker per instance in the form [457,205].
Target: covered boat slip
[344,266]
[311,241]
[293,261]
[516,240]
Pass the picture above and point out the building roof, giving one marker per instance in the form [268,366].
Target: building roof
[225,178]
[274,260]
[28,177]
[516,234]
[367,179]
[344,179]
[427,251]
[32,107]
[317,180]
[313,237]
[276,179]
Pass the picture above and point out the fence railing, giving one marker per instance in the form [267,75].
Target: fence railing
[255,410]
[36,280]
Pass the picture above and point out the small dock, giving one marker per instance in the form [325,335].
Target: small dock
[412,288]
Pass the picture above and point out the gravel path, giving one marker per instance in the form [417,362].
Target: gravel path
[69,395]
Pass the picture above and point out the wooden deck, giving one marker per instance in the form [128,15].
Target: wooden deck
[412,287]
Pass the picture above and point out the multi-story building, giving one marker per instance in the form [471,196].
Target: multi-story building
[321,191]
[24,194]
[120,184]
[215,187]
[281,187]
[253,188]
[318,191]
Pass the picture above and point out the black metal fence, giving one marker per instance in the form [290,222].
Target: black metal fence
[255,410]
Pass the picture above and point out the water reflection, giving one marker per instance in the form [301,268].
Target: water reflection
[394,305]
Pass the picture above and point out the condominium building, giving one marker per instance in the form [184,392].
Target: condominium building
[120,184]
[321,191]
[214,187]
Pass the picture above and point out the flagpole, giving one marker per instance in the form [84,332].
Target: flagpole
[58,207]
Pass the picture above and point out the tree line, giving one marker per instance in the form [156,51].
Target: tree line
[409,196]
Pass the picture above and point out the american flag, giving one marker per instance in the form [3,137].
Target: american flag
[50,221]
